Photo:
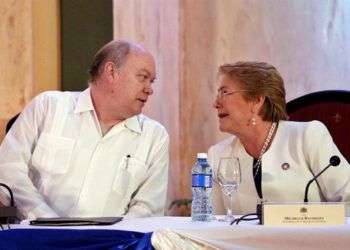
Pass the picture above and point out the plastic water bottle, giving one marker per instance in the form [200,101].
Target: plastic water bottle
[201,209]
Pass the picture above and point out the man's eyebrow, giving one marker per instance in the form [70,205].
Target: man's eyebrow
[221,88]
[148,74]
[145,71]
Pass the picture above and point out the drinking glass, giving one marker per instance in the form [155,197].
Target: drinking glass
[229,178]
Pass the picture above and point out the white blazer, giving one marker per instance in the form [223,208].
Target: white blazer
[306,147]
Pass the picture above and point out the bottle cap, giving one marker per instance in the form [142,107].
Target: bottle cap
[202,156]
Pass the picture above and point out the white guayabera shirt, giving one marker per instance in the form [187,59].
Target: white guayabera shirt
[58,163]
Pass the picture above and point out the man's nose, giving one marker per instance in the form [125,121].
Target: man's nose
[148,89]
[216,103]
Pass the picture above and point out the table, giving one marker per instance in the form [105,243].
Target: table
[182,233]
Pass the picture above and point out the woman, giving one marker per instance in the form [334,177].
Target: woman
[277,157]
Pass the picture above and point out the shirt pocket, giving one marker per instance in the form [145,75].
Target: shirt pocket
[132,173]
[52,154]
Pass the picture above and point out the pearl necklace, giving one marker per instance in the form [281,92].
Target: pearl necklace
[267,141]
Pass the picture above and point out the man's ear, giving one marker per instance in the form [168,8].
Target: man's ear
[110,70]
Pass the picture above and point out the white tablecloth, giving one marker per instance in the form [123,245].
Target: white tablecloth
[182,233]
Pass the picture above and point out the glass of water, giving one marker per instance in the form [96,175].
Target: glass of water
[229,178]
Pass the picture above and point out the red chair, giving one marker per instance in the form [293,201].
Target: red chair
[332,107]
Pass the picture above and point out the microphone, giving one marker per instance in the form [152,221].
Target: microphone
[333,161]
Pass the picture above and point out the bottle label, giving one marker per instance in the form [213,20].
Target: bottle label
[202,180]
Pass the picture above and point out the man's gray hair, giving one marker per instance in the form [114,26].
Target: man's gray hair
[115,51]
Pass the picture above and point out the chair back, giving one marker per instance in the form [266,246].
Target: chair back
[332,107]
[11,122]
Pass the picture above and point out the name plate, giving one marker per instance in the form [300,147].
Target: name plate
[306,214]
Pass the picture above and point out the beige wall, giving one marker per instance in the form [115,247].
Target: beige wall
[306,40]
[156,25]
[29,61]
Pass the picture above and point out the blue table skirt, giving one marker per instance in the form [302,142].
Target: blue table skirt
[73,239]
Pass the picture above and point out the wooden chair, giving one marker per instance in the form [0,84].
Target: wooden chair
[332,107]
[11,122]
[8,126]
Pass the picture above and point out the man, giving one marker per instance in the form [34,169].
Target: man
[91,153]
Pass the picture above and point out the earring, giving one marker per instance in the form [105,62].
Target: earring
[253,121]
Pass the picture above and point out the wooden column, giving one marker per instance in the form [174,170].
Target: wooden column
[16,63]
[155,24]
[29,49]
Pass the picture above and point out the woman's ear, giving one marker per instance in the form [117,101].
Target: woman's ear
[257,104]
